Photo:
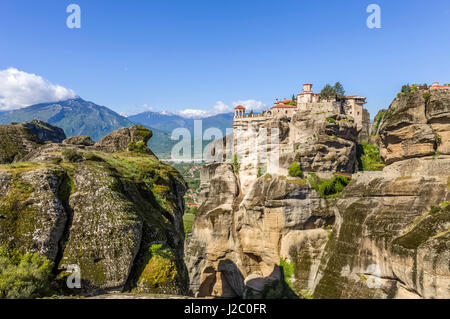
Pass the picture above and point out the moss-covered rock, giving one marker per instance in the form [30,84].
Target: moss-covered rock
[33,216]
[101,211]
[120,140]
[15,142]
[159,271]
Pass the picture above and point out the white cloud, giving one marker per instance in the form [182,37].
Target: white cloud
[147,107]
[19,89]
[251,105]
[220,108]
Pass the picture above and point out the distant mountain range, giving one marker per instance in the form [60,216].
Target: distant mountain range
[74,116]
[79,117]
[167,122]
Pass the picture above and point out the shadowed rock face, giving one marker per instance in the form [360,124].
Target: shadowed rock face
[385,236]
[15,142]
[46,132]
[416,124]
[18,140]
[113,215]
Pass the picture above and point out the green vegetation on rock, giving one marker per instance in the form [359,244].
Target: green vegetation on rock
[328,188]
[71,155]
[138,147]
[24,276]
[17,223]
[288,271]
[295,170]
[368,157]
[378,118]
[235,163]
[160,272]
[188,221]
[330,120]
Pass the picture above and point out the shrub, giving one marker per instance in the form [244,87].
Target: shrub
[24,276]
[406,88]
[328,188]
[295,170]
[267,176]
[434,210]
[368,157]
[330,120]
[426,96]
[261,171]
[379,118]
[71,155]
[138,147]
[438,139]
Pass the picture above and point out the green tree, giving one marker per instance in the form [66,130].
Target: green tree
[339,90]
[406,88]
[328,92]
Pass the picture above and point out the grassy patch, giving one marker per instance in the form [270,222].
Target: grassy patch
[23,167]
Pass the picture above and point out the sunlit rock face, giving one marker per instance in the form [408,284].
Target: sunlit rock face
[385,236]
[416,124]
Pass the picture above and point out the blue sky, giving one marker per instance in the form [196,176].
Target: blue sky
[175,55]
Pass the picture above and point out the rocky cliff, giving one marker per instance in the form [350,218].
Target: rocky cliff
[386,235]
[417,124]
[319,139]
[114,213]
[19,139]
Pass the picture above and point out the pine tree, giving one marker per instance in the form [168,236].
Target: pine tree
[339,89]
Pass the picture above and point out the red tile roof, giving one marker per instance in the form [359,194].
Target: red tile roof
[239,107]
